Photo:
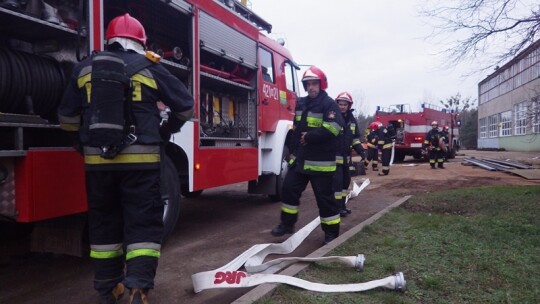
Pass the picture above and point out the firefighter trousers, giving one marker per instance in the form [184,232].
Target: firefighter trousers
[436,156]
[294,184]
[125,221]
[386,155]
[342,180]
[373,156]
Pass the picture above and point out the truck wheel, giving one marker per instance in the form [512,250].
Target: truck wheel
[452,153]
[171,197]
[189,194]
[399,157]
[281,176]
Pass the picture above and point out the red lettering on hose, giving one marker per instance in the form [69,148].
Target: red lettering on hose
[229,277]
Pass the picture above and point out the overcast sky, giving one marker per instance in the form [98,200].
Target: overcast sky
[374,49]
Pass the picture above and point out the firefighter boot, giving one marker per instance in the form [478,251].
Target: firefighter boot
[282,229]
[115,295]
[344,210]
[330,236]
[331,232]
[138,296]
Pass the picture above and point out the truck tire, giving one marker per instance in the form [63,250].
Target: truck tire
[399,156]
[451,153]
[281,176]
[171,199]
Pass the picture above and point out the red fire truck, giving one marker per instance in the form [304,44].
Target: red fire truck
[412,127]
[244,85]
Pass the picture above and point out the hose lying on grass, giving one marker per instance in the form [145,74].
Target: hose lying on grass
[256,272]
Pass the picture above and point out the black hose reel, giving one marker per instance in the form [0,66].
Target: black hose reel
[29,84]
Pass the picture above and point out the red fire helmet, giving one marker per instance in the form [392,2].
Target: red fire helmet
[127,27]
[375,125]
[314,73]
[345,96]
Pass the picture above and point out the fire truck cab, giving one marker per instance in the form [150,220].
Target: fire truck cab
[244,85]
[411,128]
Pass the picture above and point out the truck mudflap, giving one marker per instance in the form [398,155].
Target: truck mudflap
[7,188]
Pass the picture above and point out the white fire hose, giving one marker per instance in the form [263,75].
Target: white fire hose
[356,190]
[393,153]
[256,272]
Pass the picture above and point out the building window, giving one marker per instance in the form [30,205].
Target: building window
[505,123]
[520,118]
[520,72]
[483,128]
[535,113]
[493,125]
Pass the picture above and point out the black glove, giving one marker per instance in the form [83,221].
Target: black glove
[174,124]
[165,132]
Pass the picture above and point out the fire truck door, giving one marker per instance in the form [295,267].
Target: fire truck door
[268,90]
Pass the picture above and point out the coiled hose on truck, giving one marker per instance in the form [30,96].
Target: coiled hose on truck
[29,84]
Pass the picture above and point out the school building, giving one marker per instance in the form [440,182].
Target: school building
[509,104]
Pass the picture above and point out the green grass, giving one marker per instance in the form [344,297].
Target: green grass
[470,245]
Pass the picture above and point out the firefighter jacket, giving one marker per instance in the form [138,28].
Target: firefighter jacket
[352,135]
[151,84]
[320,120]
[445,137]
[373,139]
[432,138]
[386,136]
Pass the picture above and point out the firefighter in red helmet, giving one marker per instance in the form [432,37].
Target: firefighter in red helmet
[372,144]
[316,128]
[350,140]
[125,209]
[433,143]
[128,32]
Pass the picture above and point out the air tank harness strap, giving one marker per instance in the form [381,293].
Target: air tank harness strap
[110,152]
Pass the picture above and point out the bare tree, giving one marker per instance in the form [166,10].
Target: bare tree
[457,104]
[486,31]
[359,104]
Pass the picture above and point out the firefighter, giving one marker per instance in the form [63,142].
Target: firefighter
[433,144]
[125,209]
[445,136]
[316,128]
[351,140]
[387,136]
[372,141]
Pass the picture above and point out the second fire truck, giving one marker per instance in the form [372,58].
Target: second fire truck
[411,128]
